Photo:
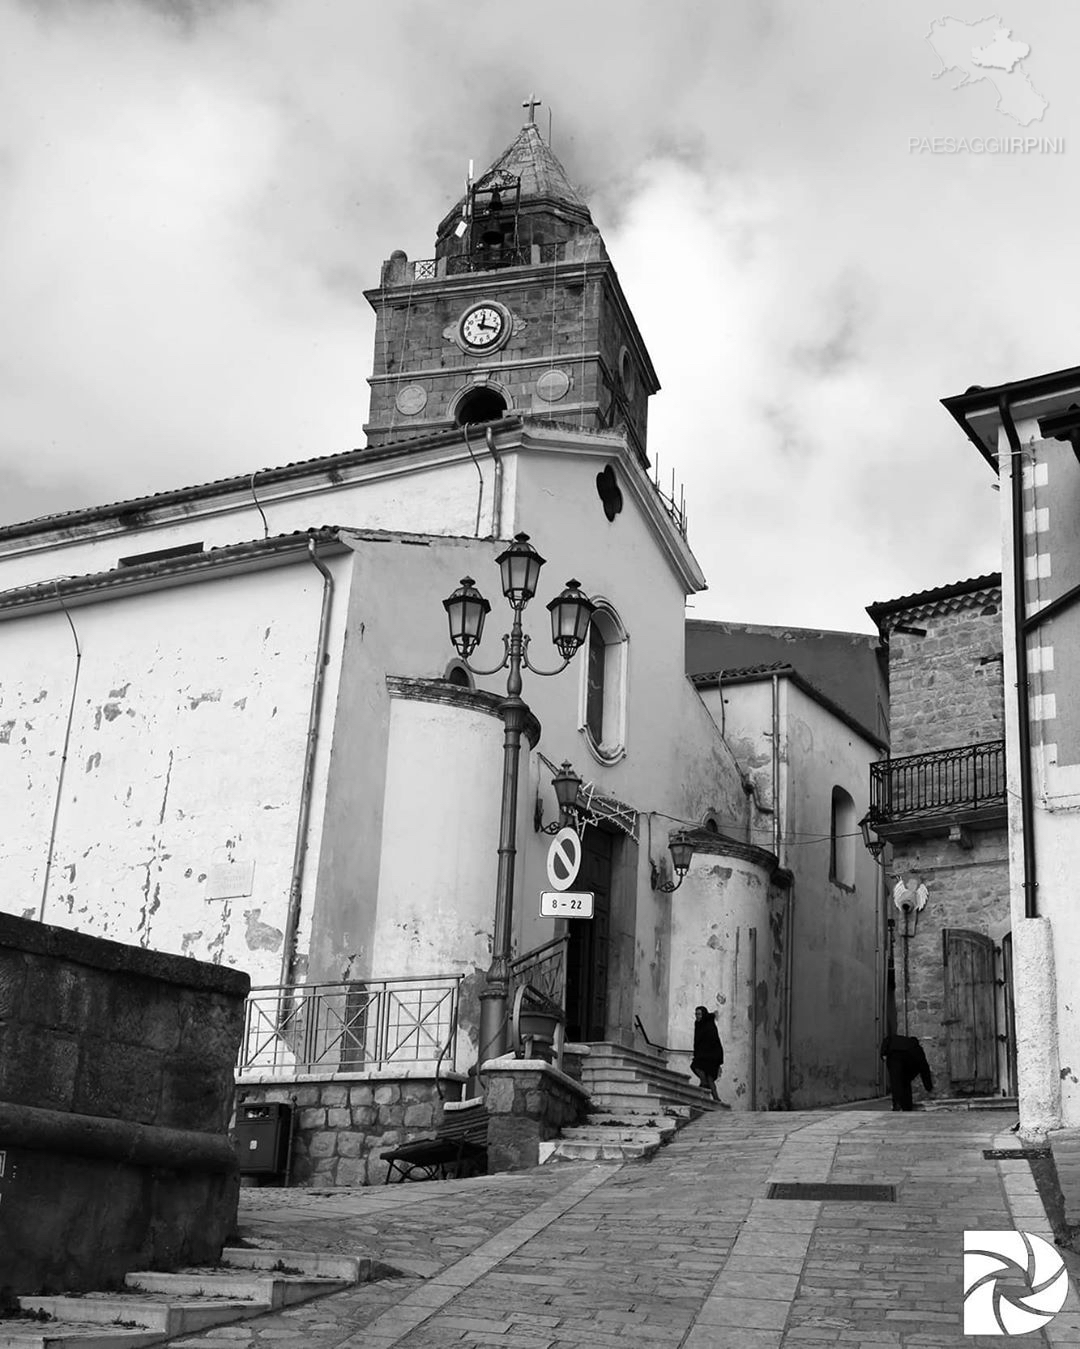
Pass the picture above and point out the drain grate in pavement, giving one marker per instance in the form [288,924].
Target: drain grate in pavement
[848,1194]
[1014,1154]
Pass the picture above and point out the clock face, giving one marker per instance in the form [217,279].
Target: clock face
[482,327]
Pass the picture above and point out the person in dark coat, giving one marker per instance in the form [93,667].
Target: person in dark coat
[708,1060]
[904,1061]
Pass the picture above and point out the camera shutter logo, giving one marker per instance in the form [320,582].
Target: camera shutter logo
[1014,1283]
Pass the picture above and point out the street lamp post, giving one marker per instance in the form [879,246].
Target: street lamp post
[466,609]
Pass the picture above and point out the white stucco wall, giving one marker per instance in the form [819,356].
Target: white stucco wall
[186,753]
[436,886]
[445,492]
[834,932]
[722,956]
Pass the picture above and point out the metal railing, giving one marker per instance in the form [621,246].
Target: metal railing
[487,260]
[940,783]
[350,1027]
[544,968]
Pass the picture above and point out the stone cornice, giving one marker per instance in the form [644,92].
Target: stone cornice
[707,842]
[456,695]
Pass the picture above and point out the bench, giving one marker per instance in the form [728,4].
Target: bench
[458,1147]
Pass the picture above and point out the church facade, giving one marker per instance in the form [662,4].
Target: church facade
[233,726]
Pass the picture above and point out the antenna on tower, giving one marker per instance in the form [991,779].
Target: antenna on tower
[463,224]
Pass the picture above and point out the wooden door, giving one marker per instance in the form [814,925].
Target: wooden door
[970,1006]
[589,952]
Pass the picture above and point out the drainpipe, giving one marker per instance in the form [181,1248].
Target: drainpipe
[480,475]
[63,757]
[776,767]
[496,505]
[753,1018]
[1027,803]
[292,918]
[789,917]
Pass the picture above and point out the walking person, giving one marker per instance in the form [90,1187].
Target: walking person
[708,1061]
[905,1059]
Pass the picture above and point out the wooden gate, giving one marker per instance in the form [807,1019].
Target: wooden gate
[970,1012]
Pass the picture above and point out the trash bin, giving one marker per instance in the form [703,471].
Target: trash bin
[262,1138]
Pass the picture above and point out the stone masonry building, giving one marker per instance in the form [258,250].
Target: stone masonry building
[939,804]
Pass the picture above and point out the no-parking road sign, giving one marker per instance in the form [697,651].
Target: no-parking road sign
[564,859]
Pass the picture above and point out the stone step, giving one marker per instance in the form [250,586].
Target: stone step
[169,1316]
[665,1125]
[606,1051]
[346,1268]
[160,1306]
[575,1150]
[607,1133]
[647,1097]
[677,1089]
[626,1072]
[614,1102]
[73,1335]
[276,1288]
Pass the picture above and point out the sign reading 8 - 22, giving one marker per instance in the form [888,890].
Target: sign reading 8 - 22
[566,903]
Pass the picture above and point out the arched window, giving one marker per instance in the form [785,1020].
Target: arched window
[480,405]
[843,829]
[458,675]
[603,716]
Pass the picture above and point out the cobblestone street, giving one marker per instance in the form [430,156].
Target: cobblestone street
[685,1250]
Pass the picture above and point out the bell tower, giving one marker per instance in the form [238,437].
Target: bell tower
[519,313]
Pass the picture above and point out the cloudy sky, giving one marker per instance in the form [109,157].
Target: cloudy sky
[194,194]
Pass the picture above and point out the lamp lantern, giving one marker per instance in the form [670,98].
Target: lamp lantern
[682,854]
[566,784]
[874,845]
[519,565]
[466,610]
[570,614]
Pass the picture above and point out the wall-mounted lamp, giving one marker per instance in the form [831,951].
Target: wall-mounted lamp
[682,854]
[874,846]
[567,784]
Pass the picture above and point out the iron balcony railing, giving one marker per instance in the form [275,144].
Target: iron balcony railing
[351,1027]
[944,782]
[544,968]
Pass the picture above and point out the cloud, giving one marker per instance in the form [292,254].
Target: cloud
[197,194]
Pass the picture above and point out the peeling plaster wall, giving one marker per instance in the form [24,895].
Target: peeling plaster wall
[675,764]
[185,758]
[835,931]
[721,901]
[395,625]
[436,901]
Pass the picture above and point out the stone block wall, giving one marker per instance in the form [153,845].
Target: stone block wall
[946,688]
[116,1072]
[528,1102]
[341,1126]
[966,889]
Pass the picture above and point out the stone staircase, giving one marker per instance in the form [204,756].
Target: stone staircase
[636,1105]
[153,1307]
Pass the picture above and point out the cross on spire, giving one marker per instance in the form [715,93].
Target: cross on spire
[532,103]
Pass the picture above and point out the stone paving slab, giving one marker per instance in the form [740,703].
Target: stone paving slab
[683,1251]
